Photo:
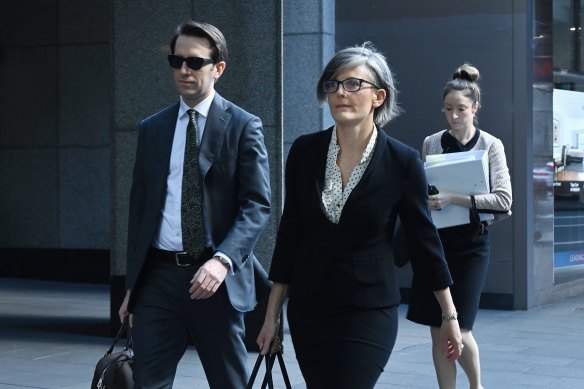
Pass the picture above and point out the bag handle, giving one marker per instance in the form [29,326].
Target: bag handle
[283,370]
[268,380]
[129,340]
[268,376]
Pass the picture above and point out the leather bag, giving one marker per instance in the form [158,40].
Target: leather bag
[114,370]
[268,381]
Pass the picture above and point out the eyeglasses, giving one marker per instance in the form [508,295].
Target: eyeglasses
[350,85]
[194,63]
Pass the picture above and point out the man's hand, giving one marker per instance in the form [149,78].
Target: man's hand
[208,279]
[123,311]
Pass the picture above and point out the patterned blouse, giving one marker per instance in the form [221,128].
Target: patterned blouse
[334,196]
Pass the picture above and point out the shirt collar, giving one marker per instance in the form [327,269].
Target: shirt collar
[202,108]
[368,150]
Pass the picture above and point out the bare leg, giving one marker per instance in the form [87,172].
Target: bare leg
[445,371]
[470,361]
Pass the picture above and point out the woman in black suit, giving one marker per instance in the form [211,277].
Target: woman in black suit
[345,186]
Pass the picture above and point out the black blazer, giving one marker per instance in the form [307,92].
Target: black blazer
[351,261]
[233,165]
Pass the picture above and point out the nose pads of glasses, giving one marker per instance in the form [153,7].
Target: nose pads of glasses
[340,89]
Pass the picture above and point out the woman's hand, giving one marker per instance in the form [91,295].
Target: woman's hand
[451,340]
[444,198]
[268,339]
[440,200]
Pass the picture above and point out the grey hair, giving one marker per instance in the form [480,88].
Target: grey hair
[365,54]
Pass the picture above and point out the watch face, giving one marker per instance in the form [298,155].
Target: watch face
[450,317]
[223,261]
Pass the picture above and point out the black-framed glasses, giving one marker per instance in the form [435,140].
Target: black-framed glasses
[194,63]
[350,85]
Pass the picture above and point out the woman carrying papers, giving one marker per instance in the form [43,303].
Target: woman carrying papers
[466,246]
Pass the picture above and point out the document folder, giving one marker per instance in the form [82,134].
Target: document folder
[465,172]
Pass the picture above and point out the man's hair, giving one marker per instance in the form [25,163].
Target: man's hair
[203,30]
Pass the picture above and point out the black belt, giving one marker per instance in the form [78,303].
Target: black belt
[180,258]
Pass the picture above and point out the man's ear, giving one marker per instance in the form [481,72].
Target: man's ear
[219,69]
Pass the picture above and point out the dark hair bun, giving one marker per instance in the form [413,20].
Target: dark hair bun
[467,72]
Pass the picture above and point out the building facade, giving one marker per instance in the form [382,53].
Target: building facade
[74,85]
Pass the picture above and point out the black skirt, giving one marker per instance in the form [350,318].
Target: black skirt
[467,253]
[341,347]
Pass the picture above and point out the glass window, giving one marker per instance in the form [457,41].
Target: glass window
[568,142]
[568,44]
[580,34]
[562,35]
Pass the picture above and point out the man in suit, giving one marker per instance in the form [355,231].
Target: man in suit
[200,198]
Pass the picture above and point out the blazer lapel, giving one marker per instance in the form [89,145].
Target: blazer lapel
[378,151]
[377,154]
[321,154]
[213,135]
[164,136]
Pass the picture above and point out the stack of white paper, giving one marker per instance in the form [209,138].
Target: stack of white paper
[466,172]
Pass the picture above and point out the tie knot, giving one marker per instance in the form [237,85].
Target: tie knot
[193,115]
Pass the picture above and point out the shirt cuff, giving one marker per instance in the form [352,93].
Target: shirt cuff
[225,259]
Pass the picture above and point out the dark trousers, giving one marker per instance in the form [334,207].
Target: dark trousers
[166,320]
[341,348]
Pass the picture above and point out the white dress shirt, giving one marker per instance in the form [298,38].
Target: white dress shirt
[169,235]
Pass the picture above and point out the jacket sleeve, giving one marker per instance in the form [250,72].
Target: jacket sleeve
[254,196]
[290,230]
[500,198]
[427,256]
[135,212]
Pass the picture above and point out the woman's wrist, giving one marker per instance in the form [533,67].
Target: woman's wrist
[450,316]
[272,318]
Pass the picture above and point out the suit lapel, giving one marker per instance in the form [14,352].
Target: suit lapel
[164,136]
[213,136]
[321,154]
[378,151]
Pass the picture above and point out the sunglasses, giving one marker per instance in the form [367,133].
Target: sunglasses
[194,63]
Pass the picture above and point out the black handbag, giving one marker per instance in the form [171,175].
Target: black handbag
[114,370]
[268,381]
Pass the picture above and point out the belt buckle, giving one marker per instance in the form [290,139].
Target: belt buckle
[177,257]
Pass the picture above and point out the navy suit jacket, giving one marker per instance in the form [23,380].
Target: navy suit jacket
[234,169]
[352,261]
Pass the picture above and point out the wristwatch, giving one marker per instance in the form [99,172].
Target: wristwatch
[452,316]
[224,261]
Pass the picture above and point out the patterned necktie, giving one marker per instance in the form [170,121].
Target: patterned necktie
[191,210]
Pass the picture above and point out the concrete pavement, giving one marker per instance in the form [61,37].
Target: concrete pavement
[51,336]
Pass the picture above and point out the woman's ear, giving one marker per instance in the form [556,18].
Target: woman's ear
[475,107]
[379,97]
